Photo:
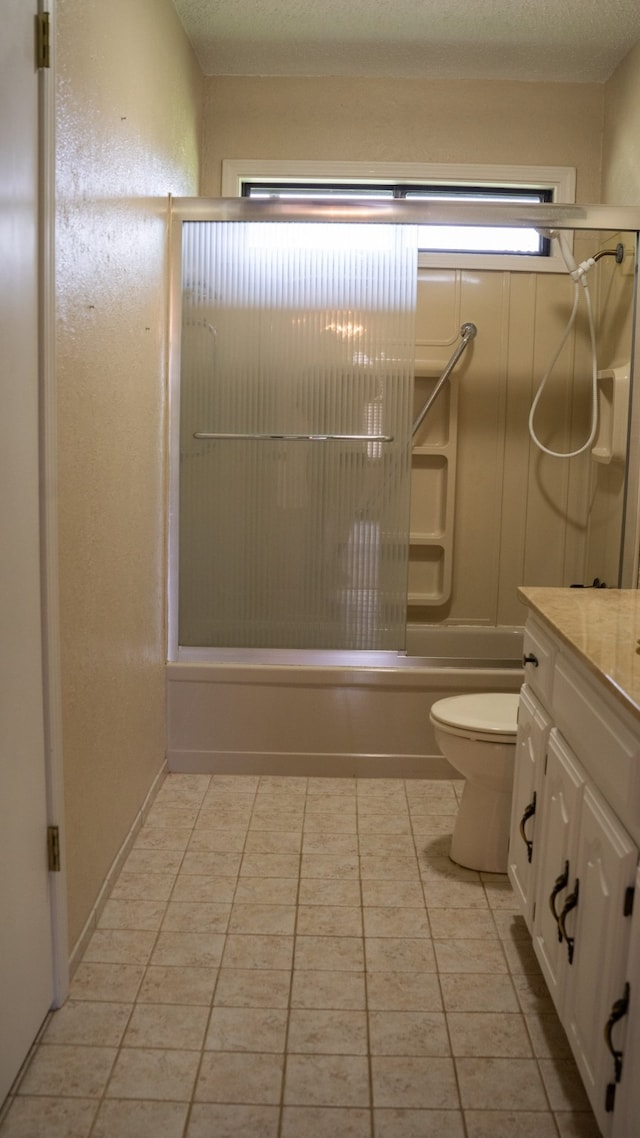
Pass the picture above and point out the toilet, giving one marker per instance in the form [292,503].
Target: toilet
[477,734]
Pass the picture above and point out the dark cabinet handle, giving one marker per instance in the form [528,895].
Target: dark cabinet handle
[530,659]
[561,883]
[619,1009]
[570,903]
[529,812]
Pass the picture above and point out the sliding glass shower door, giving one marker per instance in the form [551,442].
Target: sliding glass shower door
[295,432]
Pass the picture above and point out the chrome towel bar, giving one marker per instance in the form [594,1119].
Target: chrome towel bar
[207,435]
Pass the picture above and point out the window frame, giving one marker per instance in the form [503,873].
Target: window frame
[558,181]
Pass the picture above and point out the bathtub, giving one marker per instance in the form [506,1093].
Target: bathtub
[315,713]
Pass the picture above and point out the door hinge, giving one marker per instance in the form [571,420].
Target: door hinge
[43,40]
[53,849]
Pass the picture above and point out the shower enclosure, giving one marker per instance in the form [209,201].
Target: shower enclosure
[304,515]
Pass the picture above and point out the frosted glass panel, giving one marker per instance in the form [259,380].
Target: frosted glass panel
[304,332]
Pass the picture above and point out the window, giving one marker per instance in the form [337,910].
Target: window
[500,247]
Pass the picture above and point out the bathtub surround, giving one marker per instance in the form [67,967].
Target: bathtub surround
[289,956]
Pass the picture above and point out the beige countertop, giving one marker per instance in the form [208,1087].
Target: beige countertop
[603,627]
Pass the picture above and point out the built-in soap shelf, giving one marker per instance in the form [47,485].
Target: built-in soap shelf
[433,473]
[613,410]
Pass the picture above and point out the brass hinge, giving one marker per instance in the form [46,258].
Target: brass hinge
[43,40]
[53,849]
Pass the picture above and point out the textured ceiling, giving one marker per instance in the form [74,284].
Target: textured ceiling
[577,41]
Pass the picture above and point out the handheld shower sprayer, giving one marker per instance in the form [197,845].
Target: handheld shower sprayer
[578,273]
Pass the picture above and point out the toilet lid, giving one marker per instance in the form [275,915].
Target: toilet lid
[493,713]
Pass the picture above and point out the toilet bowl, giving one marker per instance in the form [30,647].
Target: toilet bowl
[477,734]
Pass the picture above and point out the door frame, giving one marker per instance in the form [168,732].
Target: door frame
[49,571]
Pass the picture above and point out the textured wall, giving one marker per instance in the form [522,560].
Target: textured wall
[621,150]
[129,99]
[404,121]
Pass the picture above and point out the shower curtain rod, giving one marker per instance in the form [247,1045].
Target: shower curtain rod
[402,212]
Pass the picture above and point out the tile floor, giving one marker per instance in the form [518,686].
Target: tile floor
[298,958]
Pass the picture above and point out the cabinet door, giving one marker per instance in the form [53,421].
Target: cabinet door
[625,1036]
[533,729]
[604,868]
[555,841]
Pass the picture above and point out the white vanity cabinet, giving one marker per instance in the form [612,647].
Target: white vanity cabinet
[573,862]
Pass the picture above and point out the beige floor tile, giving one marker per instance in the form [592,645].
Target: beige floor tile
[255,918]
[319,891]
[218,841]
[119,946]
[142,860]
[399,954]
[154,1074]
[403,991]
[372,845]
[548,1037]
[270,865]
[500,895]
[44,1117]
[432,825]
[137,1119]
[252,988]
[430,808]
[115,983]
[563,1085]
[189,917]
[327,1032]
[469,956]
[328,989]
[143,887]
[459,924]
[478,993]
[500,1084]
[68,1071]
[220,818]
[329,822]
[390,824]
[267,890]
[449,893]
[165,814]
[88,1024]
[213,863]
[197,950]
[511,926]
[325,1122]
[277,820]
[576,1124]
[212,1119]
[414,1083]
[405,894]
[164,984]
[273,841]
[247,1029]
[408,1033]
[521,957]
[442,868]
[209,890]
[418,1124]
[327,785]
[258,951]
[533,994]
[338,845]
[399,922]
[326,1080]
[509,1124]
[331,804]
[132,915]
[329,920]
[168,1026]
[340,867]
[236,1077]
[391,868]
[335,953]
[499,1034]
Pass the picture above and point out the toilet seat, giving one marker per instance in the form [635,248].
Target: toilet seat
[490,717]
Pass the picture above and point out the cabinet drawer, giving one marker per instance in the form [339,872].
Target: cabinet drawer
[594,726]
[538,655]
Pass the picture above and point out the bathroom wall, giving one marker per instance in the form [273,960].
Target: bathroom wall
[128,124]
[403,120]
[621,141]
